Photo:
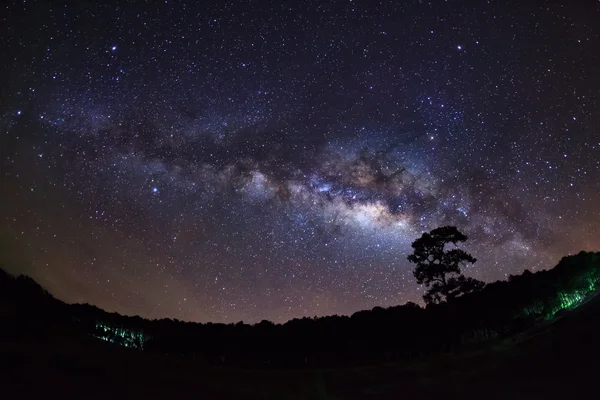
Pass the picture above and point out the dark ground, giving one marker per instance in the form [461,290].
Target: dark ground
[553,361]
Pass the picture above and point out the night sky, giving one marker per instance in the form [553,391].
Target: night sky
[269,160]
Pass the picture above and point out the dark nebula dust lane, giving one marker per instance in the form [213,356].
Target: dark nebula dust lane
[215,161]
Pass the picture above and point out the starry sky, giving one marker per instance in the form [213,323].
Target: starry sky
[248,160]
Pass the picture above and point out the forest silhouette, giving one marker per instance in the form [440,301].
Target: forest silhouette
[479,314]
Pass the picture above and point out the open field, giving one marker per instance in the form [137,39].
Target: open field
[551,361]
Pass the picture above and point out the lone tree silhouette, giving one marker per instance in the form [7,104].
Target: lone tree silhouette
[439,269]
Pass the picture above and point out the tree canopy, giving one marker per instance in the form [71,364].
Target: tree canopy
[439,268]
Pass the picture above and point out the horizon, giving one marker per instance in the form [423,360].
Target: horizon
[420,304]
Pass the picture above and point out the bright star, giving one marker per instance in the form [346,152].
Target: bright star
[154,190]
[459,47]
[113,48]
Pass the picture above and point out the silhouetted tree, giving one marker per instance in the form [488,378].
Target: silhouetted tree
[439,269]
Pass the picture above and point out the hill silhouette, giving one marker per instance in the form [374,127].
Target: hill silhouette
[532,336]
[407,332]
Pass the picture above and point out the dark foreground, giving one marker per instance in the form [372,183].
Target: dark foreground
[555,361]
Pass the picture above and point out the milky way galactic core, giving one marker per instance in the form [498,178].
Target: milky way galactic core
[247,161]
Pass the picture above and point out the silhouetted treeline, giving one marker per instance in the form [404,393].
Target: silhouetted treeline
[380,334]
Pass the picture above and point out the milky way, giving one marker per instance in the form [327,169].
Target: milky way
[246,161]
